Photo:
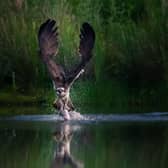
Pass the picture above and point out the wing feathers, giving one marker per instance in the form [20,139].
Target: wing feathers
[48,39]
[87,40]
[48,44]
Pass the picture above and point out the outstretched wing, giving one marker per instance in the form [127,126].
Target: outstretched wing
[48,44]
[87,40]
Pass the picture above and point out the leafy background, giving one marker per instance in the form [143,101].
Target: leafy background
[129,67]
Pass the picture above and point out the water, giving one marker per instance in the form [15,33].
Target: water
[88,118]
[120,141]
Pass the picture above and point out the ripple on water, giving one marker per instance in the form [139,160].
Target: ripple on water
[145,117]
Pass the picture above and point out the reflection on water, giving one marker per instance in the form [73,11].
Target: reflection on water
[95,145]
[63,136]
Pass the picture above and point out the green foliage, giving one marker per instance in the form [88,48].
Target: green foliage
[8,98]
[131,42]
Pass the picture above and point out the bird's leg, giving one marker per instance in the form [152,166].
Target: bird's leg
[66,109]
[62,107]
[63,104]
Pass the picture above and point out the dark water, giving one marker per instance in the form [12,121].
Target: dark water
[119,141]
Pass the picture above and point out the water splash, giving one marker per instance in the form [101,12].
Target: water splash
[145,117]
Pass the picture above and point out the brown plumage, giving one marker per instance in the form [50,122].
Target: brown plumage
[48,44]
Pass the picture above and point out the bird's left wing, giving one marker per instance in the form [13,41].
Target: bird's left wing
[48,44]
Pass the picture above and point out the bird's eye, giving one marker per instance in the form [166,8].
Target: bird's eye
[58,92]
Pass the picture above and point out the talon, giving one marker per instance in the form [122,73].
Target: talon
[66,115]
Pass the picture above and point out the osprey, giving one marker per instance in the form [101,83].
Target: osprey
[63,80]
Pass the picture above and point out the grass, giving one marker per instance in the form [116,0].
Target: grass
[14,98]
[88,97]
[130,39]
[130,54]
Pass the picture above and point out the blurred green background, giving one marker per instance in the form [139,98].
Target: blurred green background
[130,63]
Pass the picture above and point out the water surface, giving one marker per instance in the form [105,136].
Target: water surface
[120,141]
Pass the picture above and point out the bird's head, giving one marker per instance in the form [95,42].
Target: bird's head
[61,92]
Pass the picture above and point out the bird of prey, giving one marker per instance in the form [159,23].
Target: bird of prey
[63,80]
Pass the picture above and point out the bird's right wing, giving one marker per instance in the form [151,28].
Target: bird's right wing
[48,44]
[87,40]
